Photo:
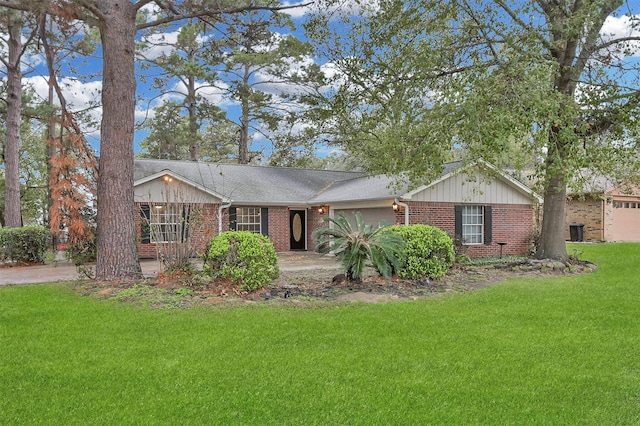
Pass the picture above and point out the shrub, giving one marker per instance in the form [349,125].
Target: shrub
[356,244]
[25,244]
[247,259]
[81,252]
[429,251]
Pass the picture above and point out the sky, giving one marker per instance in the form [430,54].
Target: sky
[82,87]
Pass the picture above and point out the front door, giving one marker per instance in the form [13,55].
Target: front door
[298,229]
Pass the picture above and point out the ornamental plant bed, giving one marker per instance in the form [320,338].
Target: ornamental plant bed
[183,290]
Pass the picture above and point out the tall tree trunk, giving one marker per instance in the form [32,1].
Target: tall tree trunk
[117,249]
[13,217]
[552,237]
[193,118]
[245,92]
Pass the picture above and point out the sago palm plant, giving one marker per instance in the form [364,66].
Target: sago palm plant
[357,243]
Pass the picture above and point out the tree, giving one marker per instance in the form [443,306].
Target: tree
[13,20]
[183,63]
[422,80]
[270,75]
[118,26]
[172,137]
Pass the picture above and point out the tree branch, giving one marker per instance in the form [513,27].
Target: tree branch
[203,13]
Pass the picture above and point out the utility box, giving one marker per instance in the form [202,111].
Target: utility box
[576,230]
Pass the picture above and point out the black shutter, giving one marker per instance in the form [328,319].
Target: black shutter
[233,219]
[264,221]
[186,209]
[458,225]
[145,228]
[487,225]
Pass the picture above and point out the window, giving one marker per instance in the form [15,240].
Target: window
[473,224]
[168,223]
[252,219]
[248,219]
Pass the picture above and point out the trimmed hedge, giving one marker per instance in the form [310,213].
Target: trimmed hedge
[249,260]
[430,251]
[26,244]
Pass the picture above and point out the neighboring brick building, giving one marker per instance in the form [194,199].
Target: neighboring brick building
[478,206]
[612,214]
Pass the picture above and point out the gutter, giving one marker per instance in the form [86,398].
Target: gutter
[406,210]
[222,207]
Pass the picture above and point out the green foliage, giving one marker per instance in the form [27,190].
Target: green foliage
[429,251]
[523,84]
[247,259]
[358,243]
[81,252]
[26,244]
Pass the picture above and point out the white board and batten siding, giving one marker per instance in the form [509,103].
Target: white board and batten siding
[483,190]
[159,191]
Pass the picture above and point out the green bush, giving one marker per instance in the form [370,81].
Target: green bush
[429,251]
[26,244]
[247,259]
[358,243]
[81,252]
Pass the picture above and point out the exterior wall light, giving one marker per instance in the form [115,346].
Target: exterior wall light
[321,209]
[168,178]
[395,206]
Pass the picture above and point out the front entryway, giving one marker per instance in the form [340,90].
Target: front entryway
[298,229]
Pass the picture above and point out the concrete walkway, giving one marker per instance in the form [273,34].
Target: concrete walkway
[64,271]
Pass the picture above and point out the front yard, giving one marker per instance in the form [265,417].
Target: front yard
[532,350]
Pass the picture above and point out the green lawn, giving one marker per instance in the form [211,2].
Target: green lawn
[537,351]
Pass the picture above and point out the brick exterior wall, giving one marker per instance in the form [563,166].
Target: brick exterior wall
[205,228]
[587,211]
[279,227]
[315,220]
[511,223]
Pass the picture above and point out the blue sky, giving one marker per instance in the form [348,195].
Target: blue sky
[82,88]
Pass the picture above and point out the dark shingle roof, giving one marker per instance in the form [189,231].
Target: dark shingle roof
[260,185]
[247,184]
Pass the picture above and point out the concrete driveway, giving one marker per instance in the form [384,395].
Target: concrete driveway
[64,271]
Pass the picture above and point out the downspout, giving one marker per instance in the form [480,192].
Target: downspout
[222,207]
[406,210]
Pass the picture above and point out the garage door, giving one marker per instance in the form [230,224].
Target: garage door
[626,221]
[372,216]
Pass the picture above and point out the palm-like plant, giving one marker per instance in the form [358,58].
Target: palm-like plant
[356,243]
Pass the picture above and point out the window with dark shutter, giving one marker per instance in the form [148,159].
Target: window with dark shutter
[487,225]
[145,228]
[233,219]
[473,224]
[264,219]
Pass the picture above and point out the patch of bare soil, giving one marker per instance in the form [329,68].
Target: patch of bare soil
[181,290]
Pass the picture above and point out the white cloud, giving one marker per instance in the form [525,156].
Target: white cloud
[159,44]
[298,11]
[620,27]
[79,96]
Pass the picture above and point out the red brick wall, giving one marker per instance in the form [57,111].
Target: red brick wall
[204,228]
[279,227]
[315,220]
[511,223]
[207,228]
[588,211]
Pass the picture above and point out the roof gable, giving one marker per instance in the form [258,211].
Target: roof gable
[459,173]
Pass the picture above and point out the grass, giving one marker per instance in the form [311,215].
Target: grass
[531,351]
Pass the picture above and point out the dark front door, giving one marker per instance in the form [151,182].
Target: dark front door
[298,229]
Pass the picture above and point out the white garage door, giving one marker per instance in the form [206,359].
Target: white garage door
[626,221]
[372,216]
